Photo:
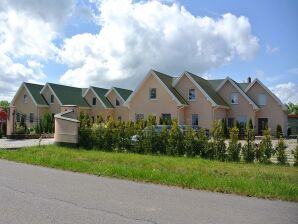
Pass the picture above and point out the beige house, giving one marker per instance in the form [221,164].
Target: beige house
[189,98]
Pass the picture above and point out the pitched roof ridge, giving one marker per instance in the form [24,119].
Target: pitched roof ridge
[50,83]
[121,88]
[99,88]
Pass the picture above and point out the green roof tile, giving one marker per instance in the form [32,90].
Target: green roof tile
[124,93]
[168,80]
[34,90]
[101,94]
[209,89]
[69,95]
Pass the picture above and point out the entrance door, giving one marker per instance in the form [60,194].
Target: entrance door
[262,125]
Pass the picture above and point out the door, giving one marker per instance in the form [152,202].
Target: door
[262,125]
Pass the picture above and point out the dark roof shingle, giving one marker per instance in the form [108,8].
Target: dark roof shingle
[124,93]
[101,94]
[34,90]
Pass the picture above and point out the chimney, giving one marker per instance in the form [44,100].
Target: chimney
[249,79]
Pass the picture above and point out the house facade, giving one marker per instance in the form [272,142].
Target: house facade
[189,98]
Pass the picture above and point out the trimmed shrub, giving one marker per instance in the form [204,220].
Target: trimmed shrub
[248,150]
[218,146]
[234,147]
[175,146]
[201,145]
[265,149]
[279,133]
[281,152]
[189,142]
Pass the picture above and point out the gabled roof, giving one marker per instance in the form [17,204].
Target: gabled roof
[100,94]
[284,107]
[124,93]
[67,95]
[166,81]
[34,92]
[240,90]
[208,89]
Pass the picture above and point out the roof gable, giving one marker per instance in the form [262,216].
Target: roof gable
[100,94]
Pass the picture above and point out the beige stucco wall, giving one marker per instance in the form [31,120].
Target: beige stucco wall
[26,108]
[53,107]
[141,103]
[118,111]
[200,106]
[220,113]
[66,131]
[243,108]
[272,110]
[98,108]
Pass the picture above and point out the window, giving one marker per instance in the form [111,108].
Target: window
[117,102]
[262,99]
[152,93]
[234,98]
[139,117]
[194,119]
[31,117]
[93,101]
[230,122]
[191,94]
[166,119]
[242,119]
[25,98]
[18,117]
[52,98]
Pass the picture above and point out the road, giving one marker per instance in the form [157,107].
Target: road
[31,194]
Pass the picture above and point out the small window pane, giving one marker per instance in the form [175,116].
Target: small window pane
[166,119]
[117,102]
[194,119]
[234,98]
[18,117]
[191,94]
[262,99]
[31,117]
[152,93]
[93,101]
[25,98]
[52,98]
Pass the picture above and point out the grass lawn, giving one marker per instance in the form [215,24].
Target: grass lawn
[264,181]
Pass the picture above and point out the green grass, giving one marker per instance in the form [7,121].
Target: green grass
[264,181]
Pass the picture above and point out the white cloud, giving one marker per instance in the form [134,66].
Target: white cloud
[286,92]
[271,50]
[28,30]
[144,35]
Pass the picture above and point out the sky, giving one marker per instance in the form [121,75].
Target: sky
[109,43]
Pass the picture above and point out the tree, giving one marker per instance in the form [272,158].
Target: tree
[4,104]
[281,151]
[201,146]
[292,108]
[175,146]
[189,141]
[248,150]
[225,127]
[234,147]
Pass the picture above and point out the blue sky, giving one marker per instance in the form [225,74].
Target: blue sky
[82,43]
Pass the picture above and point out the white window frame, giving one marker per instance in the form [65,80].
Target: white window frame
[25,98]
[193,120]
[193,94]
[52,101]
[150,89]
[31,121]
[262,102]
[116,102]
[232,98]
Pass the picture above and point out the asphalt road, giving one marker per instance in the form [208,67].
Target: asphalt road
[30,194]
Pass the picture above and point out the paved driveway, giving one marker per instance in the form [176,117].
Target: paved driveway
[14,144]
[31,194]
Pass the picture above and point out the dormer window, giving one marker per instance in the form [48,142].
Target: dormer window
[25,98]
[93,101]
[191,94]
[262,99]
[234,98]
[152,93]
[117,102]
[52,98]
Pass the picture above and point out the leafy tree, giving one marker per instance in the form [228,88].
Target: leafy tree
[99,119]
[279,133]
[218,145]
[234,147]
[175,146]
[163,141]
[84,118]
[201,146]
[248,150]
[281,151]
[4,104]
[292,108]
[265,149]
[151,120]
[189,142]
[225,127]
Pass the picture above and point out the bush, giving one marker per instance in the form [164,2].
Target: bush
[218,146]
[279,133]
[265,149]
[281,152]
[296,156]
[189,142]
[201,145]
[248,150]
[85,138]
[234,147]
[175,146]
